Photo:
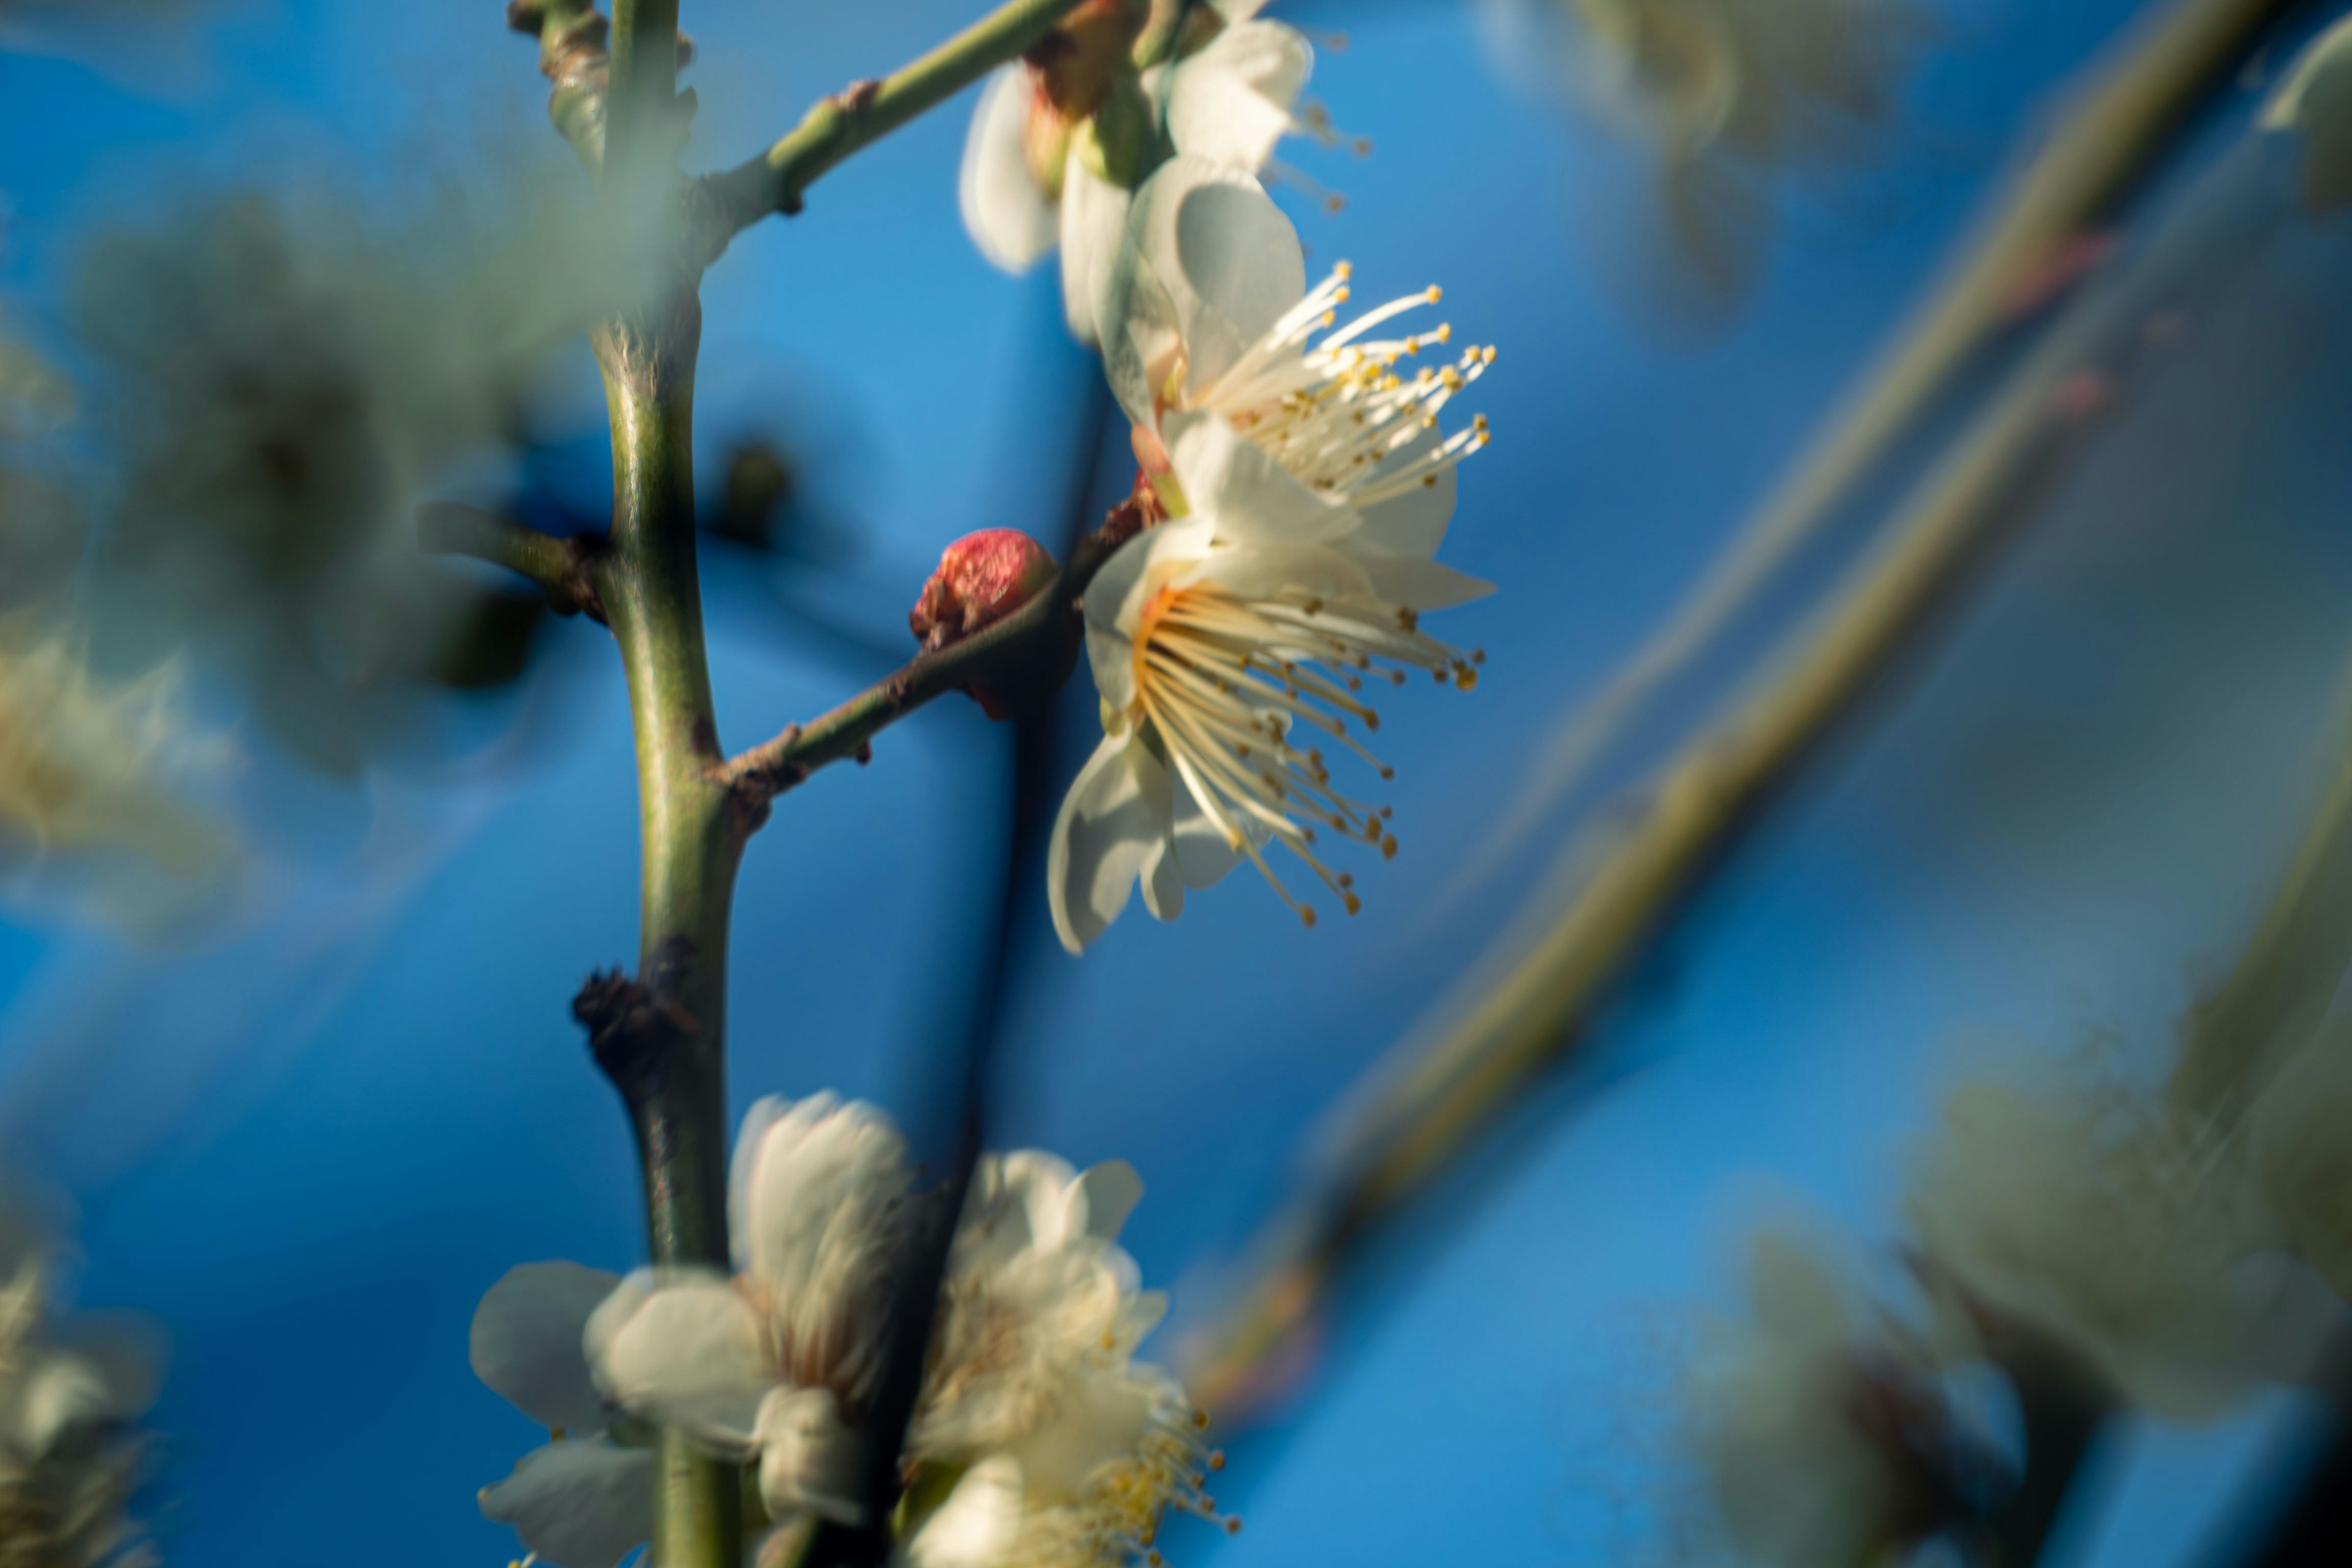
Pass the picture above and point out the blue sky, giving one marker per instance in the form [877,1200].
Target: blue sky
[308,1146]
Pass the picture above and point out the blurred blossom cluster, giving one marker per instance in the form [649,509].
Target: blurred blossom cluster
[1728,94]
[69,1391]
[286,377]
[1037,1438]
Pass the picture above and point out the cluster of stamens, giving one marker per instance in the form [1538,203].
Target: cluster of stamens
[1118,1521]
[1339,414]
[1227,681]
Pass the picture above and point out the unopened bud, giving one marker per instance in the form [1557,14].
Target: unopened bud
[982,578]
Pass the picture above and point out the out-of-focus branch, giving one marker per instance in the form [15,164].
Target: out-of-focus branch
[2095,156]
[868,110]
[564,569]
[1026,655]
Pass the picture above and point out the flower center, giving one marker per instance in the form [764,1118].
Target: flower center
[1226,680]
[1339,416]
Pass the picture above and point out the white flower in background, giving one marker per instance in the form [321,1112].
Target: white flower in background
[1307,486]
[69,1393]
[2084,1217]
[776,1365]
[2301,1158]
[280,380]
[86,768]
[584,1499]
[1044,161]
[1818,1424]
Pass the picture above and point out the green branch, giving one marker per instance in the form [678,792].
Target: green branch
[869,110]
[1024,657]
[572,56]
[564,569]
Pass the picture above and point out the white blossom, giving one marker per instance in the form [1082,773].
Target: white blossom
[1308,487]
[2083,1215]
[583,1500]
[1799,1418]
[1032,178]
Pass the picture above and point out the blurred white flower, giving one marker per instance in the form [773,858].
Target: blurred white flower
[2083,1215]
[584,1500]
[1727,92]
[1058,140]
[2301,1158]
[775,1365]
[87,769]
[284,380]
[1065,1451]
[1308,489]
[69,1393]
[1821,1428]
[2315,100]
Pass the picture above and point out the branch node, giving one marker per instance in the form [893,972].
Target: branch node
[635,1030]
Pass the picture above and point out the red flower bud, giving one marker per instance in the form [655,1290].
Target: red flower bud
[982,578]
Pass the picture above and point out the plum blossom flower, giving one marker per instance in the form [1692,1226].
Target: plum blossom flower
[584,1500]
[1821,1428]
[1066,1452]
[1059,140]
[68,1394]
[2084,1217]
[1305,486]
[775,1365]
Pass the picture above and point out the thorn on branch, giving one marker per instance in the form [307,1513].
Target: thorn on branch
[633,1030]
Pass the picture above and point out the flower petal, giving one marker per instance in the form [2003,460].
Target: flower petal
[1008,217]
[684,1352]
[813,1182]
[1204,857]
[976,1527]
[1229,261]
[578,1504]
[1105,1195]
[1243,490]
[1094,216]
[1113,818]
[1271,571]
[808,1460]
[525,1341]
[1414,522]
[1416,582]
[1231,102]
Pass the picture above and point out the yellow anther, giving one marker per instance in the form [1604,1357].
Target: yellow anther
[1388,849]
[1340,296]
[1345,269]
[1446,332]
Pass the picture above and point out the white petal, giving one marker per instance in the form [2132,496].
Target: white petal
[808,1460]
[976,1527]
[527,1341]
[1240,488]
[1102,1420]
[578,1504]
[1144,564]
[1008,217]
[1414,522]
[1163,881]
[685,1352]
[1229,260]
[1108,823]
[1204,857]
[816,1181]
[1266,571]
[1105,1196]
[1232,102]
[1416,582]
[1094,216]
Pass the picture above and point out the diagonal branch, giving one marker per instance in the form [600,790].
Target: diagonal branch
[565,569]
[1027,655]
[869,110]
